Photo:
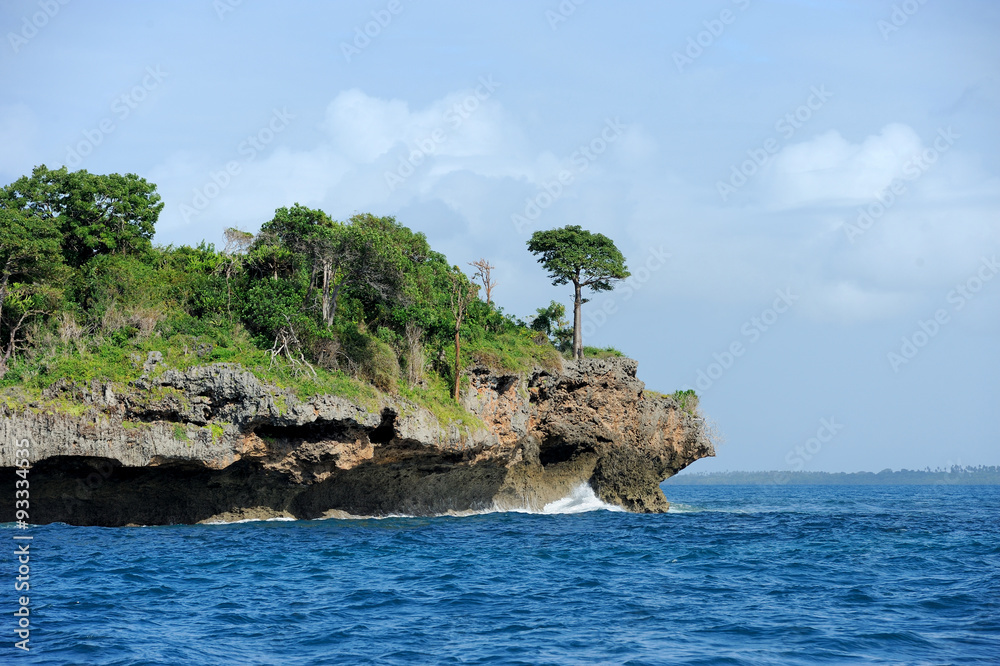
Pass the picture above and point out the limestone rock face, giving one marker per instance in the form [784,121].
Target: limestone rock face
[215,443]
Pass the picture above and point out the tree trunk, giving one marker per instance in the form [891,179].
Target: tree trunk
[325,294]
[458,363]
[333,302]
[3,288]
[577,321]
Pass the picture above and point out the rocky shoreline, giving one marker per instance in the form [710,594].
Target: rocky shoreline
[215,443]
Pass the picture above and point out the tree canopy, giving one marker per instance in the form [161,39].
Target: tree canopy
[308,301]
[573,254]
[96,214]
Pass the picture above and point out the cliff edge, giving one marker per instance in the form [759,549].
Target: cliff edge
[213,442]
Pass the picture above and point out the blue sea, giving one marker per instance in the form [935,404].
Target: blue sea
[732,575]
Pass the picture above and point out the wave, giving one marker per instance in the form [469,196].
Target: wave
[581,499]
[275,519]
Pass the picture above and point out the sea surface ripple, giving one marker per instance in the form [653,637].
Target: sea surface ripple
[732,575]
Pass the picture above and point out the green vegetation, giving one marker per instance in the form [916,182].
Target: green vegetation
[573,254]
[180,433]
[356,308]
[688,400]
[602,352]
[215,432]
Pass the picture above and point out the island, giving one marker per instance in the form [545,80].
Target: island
[314,369]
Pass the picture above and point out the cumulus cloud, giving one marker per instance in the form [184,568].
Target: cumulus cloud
[829,170]
[371,151]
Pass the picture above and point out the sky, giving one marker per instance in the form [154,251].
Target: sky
[807,192]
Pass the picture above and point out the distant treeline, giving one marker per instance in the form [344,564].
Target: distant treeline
[981,475]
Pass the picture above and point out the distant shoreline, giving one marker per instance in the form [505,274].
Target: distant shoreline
[959,476]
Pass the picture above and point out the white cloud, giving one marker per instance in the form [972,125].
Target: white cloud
[829,170]
[362,127]
[846,301]
[373,152]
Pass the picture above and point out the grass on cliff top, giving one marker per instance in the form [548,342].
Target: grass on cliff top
[688,400]
[120,362]
[597,352]
[436,398]
[516,351]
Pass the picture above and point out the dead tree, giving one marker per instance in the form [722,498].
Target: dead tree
[237,243]
[483,274]
[286,343]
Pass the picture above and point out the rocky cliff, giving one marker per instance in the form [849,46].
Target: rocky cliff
[215,443]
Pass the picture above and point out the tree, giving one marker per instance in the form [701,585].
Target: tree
[552,322]
[96,214]
[363,254]
[237,244]
[312,235]
[462,292]
[29,255]
[573,254]
[484,274]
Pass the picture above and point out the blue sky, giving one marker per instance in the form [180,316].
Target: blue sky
[807,193]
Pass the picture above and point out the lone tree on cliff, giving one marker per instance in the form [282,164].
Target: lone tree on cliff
[573,254]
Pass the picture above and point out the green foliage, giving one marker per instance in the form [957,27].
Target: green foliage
[436,398]
[552,322]
[310,304]
[30,269]
[112,214]
[573,254]
[180,433]
[602,352]
[515,350]
[215,432]
[370,357]
[687,399]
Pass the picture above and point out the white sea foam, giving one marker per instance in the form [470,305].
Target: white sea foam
[581,500]
[276,519]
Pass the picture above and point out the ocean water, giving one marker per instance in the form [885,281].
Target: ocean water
[732,575]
